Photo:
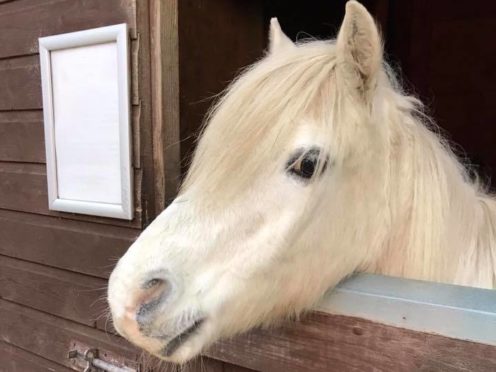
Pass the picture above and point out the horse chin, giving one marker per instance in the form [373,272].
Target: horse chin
[187,344]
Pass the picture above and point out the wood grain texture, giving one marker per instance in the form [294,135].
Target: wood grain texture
[83,247]
[234,368]
[65,294]
[23,22]
[201,364]
[22,137]
[23,187]
[13,359]
[143,123]
[21,83]
[164,40]
[51,338]
[324,342]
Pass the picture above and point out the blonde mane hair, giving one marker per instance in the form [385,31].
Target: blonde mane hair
[441,223]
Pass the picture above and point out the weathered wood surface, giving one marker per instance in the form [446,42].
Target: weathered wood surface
[21,136]
[59,292]
[13,359]
[43,254]
[164,69]
[20,79]
[23,187]
[83,247]
[23,22]
[51,337]
[323,342]
[234,368]
[142,123]
[21,83]
[320,342]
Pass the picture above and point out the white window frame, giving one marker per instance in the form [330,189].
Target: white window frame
[464,313]
[119,35]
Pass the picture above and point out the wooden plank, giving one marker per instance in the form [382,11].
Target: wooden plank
[21,83]
[14,359]
[143,125]
[165,99]
[65,294]
[21,136]
[325,342]
[23,187]
[51,338]
[204,364]
[83,247]
[234,368]
[200,364]
[23,22]
[320,342]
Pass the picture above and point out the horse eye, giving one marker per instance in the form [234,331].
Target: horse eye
[304,163]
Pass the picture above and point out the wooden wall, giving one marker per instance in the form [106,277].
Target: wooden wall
[54,265]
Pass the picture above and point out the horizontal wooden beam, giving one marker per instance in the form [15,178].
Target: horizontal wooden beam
[17,360]
[51,338]
[317,342]
[21,83]
[465,313]
[326,342]
[23,187]
[83,247]
[21,20]
[62,293]
[21,136]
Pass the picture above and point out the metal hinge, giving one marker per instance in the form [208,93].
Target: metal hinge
[91,362]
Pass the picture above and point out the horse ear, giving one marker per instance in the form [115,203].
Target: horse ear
[278,40]
[359,47]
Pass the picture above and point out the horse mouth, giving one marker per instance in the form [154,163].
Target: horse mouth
[181,338]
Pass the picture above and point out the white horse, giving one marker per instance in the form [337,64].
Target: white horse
[314,165]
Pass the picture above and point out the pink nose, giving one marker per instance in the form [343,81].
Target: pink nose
[146,302]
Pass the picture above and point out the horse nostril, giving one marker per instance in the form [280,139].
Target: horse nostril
[152,283]
[154,292]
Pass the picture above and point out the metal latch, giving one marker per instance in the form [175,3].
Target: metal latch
[95,364]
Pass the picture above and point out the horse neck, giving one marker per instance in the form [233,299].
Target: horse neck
[442,225]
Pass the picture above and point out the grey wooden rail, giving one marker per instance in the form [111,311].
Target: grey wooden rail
[454,311]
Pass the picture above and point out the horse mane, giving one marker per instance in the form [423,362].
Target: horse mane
[441,224]
[444,221]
